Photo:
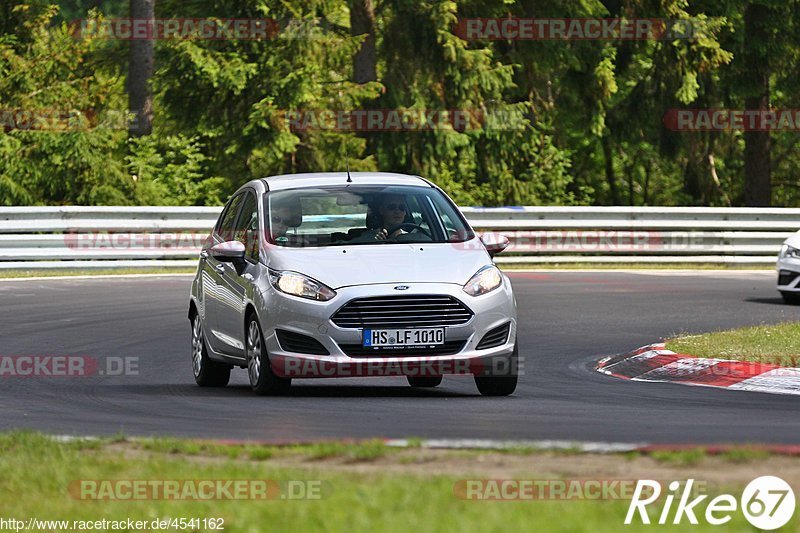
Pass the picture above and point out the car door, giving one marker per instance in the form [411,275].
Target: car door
[235,280]
[215,295]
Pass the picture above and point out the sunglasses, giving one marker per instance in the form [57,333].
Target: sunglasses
[393,207]
[281,220]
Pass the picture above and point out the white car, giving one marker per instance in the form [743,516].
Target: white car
[351,274]
[789,269]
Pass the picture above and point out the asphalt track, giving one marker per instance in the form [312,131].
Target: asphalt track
[568,321]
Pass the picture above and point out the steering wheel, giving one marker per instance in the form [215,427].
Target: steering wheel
[410,225]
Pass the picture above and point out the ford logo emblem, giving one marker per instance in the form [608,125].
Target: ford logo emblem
[401,287]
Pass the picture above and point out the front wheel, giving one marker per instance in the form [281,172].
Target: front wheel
[501,385]
[496,386]
[790,297]
[262,379]
[207,373]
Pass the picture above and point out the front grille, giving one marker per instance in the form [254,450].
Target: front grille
[402,312]
[299,343]
[496,337]
[448,348]
[785,277]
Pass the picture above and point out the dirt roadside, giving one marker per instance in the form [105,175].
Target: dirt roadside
[717,470]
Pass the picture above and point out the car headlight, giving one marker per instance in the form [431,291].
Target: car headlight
[789,251]
[485,280]
[297,284]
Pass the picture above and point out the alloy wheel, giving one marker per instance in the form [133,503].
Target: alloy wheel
[197,346]
[254,353]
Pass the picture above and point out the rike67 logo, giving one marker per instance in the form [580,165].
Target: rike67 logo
[767,502]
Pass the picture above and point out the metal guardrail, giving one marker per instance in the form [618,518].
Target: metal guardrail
[130,237]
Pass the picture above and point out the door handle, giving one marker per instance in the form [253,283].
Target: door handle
[204,254]
[220,268]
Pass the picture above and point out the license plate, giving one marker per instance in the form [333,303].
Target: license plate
[394,338]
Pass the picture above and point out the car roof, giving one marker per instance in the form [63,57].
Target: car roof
[322,179]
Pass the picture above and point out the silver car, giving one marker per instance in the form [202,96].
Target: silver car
[350,275]
[789,270]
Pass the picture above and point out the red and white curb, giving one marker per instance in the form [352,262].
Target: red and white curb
[655,363]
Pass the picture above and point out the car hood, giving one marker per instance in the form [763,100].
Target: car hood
[342,266]
[794,240]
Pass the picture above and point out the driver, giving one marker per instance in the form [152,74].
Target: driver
[391,210]
[284,216]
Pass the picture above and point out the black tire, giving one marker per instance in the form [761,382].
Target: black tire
[792,298]
[496,385]
[426,382]
[502,385]
[207,373]
[263,380]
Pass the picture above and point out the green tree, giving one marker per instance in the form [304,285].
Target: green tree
[71,153]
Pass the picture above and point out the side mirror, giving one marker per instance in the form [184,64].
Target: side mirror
[228,251]
[494,242]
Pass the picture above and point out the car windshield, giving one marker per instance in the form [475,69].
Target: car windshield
[362,215]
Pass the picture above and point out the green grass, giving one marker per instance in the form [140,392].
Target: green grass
[688,457]
[414,442]
[532,450]
[36,472]
[373,449]
[324,450]
[174,446]
[694,456]
[744,454]
[367,450]
[34,273]
[777,344]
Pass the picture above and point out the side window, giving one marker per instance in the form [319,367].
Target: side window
[246,231]
[225,226]
[416,212]
[448,221]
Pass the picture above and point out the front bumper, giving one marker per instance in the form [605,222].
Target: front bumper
[788,274]
[313,319]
